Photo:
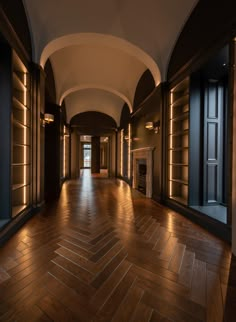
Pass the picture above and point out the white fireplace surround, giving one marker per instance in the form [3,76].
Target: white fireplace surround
[146,154]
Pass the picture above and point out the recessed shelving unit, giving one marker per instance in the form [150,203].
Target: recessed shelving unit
[21,134]
[178,146]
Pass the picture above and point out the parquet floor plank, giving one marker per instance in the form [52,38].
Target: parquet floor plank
[77,259]
[168,250]
[79,310]
[85,290]
[150,229]
[108,310]
[105,291]
[186,270]
[177,258]
[193,309]
[81,248]
[162,240]
[215,310]
[142,313]
[156,317]
[198,289]
[73,268]
[55,309]
[128,305]
[111,266]
[95,258]
[167,309]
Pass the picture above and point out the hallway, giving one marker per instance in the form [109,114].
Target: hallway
[104,252]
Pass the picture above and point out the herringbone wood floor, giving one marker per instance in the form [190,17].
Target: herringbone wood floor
[104,252]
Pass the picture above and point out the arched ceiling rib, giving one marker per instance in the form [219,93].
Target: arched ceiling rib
[94,100]
[100,49]
[94,86]
[101,40]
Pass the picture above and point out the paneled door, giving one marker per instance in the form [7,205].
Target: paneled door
[213,143]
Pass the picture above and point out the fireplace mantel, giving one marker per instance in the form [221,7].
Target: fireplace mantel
[147,154]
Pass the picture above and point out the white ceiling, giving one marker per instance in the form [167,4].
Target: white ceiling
[100,49]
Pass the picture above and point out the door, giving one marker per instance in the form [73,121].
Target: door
[213,142]
[87,155]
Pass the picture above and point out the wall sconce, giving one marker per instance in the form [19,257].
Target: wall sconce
[153,126]
[46,118]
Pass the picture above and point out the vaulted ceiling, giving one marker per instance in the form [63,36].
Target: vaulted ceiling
[100,49]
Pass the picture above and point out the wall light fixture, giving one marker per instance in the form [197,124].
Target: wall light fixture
[153,126]
[46,118]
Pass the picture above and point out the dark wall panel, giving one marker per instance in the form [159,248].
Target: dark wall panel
[52,154]
[211,24]
[50,89]
[144,88]
[5,130]
[95,164]
[125,116]
[15,12]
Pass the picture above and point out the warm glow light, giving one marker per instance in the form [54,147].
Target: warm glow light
[25,142]
[48,118]
[64,152]
[121,151]
[171,146]
[129,150]
[171,98]
[149,125]
[171,190]
[25,89]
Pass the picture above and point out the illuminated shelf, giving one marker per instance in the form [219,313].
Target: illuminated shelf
[19,124]
[20,145]
[18,84]
[179,199]
[178,145]
[179,181]
[180,133]
[18,186]
[21,141]
[179,148]
[18,104]
[181,117]
[181,101]
[18,209]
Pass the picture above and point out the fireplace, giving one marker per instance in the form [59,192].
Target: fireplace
[141,175]
[143,161]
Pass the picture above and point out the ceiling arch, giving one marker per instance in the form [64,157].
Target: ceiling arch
[83,39]
[93,123]
[93,99]
[93,86]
